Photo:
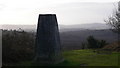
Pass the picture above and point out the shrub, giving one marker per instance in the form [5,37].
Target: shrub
[94,43]
[102,43]
[17,46]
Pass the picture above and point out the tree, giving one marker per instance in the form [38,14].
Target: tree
[17,46]
[102,43]
[92,42]
[114,21]
[83,45]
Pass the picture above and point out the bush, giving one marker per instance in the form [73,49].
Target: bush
[102,43]
[94,43]
[17,46]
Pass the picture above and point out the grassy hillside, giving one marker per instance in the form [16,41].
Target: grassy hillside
[85,58]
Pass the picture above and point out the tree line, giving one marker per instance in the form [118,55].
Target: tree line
[93,43]
[17,46]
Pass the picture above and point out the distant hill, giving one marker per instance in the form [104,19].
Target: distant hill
[92,26]
[63,28]
[87,26]
[74,39]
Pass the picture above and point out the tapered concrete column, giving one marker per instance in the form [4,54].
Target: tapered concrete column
[48,47]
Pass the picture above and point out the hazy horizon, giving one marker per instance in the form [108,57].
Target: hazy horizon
[58,24]
[68,12]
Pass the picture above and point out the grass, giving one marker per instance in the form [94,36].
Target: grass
[89,58]
[85,58]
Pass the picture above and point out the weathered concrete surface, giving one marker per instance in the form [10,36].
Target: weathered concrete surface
[48,47]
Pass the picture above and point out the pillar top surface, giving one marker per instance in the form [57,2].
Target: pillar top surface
[47,14]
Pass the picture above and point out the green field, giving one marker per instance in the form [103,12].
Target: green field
[86,58]
[89,58]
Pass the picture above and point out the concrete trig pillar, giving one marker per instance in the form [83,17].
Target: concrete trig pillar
[48,46]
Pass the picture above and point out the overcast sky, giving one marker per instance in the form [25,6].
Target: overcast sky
[68,12]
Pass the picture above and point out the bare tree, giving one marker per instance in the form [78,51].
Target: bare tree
[114,21]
